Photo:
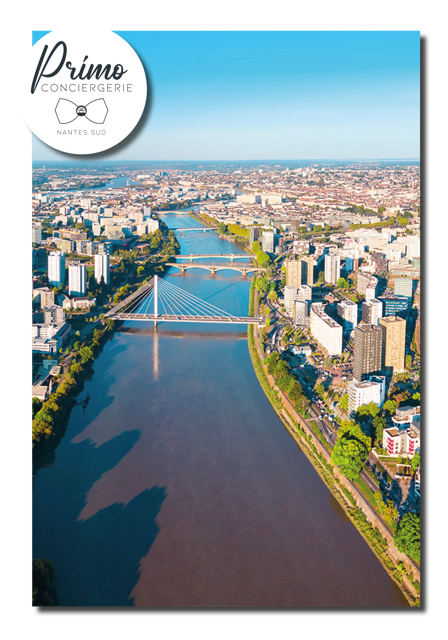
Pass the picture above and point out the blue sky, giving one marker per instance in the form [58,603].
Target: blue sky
[275,95]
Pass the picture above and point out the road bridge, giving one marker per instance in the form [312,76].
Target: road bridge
[161,301]
[203,229]
[211,256]
[213,268]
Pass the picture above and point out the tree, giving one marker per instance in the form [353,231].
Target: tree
[351,450]
[43,578]
[407,536]
[390,406]
[378,424]
[256,246]
[416,396]
[344,402]
[272,295]
[408,361]
[222,228]
[415,462]
[341,283]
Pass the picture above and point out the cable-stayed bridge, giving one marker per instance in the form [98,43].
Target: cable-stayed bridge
[161,301]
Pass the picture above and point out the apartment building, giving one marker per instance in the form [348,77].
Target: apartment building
[372,311]
[348,312]
[325,330]
[293,273]
[56,268]
[371,390]
[102,267]
[307,266]
[367,352]
[332,268]
[77,279]
[393,342]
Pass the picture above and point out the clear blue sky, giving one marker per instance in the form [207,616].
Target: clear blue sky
[276,95]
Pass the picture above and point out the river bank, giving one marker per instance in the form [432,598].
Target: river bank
[398,566]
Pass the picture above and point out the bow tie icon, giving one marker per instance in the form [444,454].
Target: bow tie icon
[67,111]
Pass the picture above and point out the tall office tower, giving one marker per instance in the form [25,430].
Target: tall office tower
[372,311]
[307,270]
[56,268]
[348,312]
[293,273]
[394,342]
[77,279]
[301,313]
[325,330]
[403,287]
[102,267]
[268,241]
[332,268]
[367,353]
[254,234]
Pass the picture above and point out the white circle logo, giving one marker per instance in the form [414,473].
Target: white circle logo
[84,93]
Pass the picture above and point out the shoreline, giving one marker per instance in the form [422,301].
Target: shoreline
[341,489]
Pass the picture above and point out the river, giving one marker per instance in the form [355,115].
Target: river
[179,486]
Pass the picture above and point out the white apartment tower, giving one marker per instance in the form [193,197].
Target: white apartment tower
[325,330]
[102,267]
[348,312]
[77,279]
[56,268]
[332,268]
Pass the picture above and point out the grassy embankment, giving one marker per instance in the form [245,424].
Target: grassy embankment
[345,498]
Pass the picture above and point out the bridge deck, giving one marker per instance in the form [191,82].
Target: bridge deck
[150,317]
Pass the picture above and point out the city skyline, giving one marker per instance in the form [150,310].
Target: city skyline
[312,95]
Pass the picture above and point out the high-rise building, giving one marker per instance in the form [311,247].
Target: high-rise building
[293,273]
[268,241]
[366,285]
[102,267]
[254,234]
[77,279]
[307,263]
[367,352]
[348,312]
[290,298]
[325,330]
[395,306]
[301,313]
[332,268]
[394,342]
[403,287]
[304,292]
[372,311]
[56,268]
[37,235]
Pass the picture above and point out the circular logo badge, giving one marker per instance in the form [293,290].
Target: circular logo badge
[84,93]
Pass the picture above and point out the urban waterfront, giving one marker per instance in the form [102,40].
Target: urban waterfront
[177,484]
